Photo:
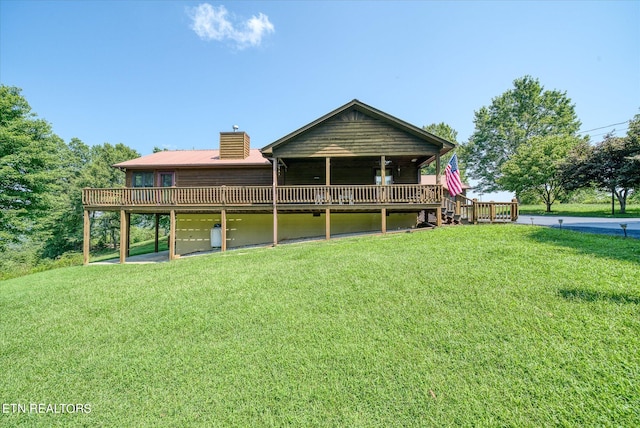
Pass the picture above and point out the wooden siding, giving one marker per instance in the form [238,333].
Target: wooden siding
[224,177]
[354,133]
[199,177]
[234,145]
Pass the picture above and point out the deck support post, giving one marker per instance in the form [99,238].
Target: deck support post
[327,224]
[439,216]
[86,238]
[156,247]
[275,201]
[223,220]
[123,236]
[172,234]
[383,213]
[128,215]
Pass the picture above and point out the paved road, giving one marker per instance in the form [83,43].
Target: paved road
[610,226]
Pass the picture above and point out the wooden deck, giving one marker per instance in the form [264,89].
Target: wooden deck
[416,196]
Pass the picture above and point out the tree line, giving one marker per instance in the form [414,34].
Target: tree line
[41,182]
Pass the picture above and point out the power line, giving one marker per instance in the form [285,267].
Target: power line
[613,131]
[603,127]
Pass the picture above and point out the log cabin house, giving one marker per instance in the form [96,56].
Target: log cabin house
[355,169]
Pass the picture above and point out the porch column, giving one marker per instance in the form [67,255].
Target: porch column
[437,168]
[86,238]
[328,171]
[327,224]
[223,220]
[383,169]
[275,199]
[383,213]
[123,236]
[156,249]
[172,234]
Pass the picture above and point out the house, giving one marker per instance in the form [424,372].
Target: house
[355,169]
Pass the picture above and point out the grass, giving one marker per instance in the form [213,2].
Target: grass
[494,325]
[138,248]
[581,210]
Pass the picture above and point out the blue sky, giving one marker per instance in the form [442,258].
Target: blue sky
[144,74]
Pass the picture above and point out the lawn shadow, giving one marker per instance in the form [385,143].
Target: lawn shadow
[606,246]
[594,296]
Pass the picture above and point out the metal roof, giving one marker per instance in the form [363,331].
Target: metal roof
[192,159]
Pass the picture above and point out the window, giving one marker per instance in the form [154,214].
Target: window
[165,179]
[142,179]
[388,176]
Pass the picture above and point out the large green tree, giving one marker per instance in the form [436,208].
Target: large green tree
[535,167]
[612,165]
[513,118]
[30,165]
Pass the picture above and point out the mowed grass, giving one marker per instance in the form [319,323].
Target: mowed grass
[496,325]
[581,210]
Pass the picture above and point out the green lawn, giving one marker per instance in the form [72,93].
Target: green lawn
[581,210]
[493,325]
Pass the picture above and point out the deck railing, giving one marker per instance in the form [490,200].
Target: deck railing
[263,195]
[474,211]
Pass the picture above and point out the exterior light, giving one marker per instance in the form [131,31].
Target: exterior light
[624,228]
[531,221]
[560,221]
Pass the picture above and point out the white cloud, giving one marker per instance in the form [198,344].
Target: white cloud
[213,23]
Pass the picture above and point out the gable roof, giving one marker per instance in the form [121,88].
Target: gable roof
[357,105]
[192,159]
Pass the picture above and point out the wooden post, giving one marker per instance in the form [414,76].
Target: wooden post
[383,213]
[327,223]
[514,209]
[128,234]
[492,211]
[86,238]
[275,201]
[439,216]
[156,249]
[328,171]
[438,168]
[457,212]
[475,211]
[223,220]
[327,180]
[123,236]
[172,234]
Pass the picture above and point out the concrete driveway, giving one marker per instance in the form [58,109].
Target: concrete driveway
[609,226]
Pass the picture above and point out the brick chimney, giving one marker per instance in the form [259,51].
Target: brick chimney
[234,145]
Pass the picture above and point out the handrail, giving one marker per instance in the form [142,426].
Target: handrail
[263,195]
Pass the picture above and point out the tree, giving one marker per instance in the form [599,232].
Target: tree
[613,165]
[29,167]
[443,130]
[101,174]
[519,114]
[535,167]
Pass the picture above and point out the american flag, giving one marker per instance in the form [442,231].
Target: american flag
[453,176]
